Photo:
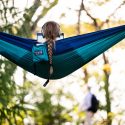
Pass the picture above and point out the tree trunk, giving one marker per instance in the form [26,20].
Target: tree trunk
[106,87]
[106,73]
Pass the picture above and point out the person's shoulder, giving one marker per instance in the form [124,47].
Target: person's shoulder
[90,94]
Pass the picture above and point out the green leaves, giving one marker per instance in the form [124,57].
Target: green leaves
[14,106]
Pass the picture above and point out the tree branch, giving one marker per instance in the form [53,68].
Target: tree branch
[43,13]
[79,15]
[112,14]
[97,26]
[89,15]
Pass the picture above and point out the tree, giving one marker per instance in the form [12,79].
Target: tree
[22,21]
[14,21]
[98,25]
[48,113]
[7,88]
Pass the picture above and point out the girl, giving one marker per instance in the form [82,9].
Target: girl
[51,30]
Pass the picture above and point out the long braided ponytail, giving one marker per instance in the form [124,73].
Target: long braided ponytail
[50,30]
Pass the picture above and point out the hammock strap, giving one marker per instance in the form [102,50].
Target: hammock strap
[50,73]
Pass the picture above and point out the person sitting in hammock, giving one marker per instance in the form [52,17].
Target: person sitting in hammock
[51,31]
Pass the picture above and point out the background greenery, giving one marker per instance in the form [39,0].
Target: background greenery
[30,103]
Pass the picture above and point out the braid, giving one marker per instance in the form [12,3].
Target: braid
[50,50]
[50,30]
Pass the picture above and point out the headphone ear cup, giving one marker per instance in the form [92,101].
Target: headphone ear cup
[43,35]
[61,35]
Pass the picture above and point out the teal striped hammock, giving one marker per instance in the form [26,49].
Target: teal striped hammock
[70,54]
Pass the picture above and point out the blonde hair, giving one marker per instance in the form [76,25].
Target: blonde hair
[51,30]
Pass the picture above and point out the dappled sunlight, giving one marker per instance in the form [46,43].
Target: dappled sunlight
[24,100]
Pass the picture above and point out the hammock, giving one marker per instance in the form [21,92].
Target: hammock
[70,54]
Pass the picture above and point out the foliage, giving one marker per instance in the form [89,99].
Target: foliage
[48,113]
[8,108]
[13,108]
[22,23]
[15,105]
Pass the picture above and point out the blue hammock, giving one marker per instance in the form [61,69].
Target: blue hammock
[70,54]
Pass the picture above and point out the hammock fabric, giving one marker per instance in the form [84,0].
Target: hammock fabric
[70,54]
